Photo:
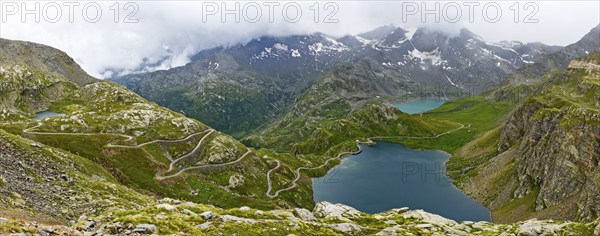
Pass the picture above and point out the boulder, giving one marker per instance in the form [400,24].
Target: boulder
[166,206]
[534,227]
[428,217]
[329,210]
[146,229]
[304,214]
[204,225]
[236,180]
[346,227]
[188,212]
[207,215]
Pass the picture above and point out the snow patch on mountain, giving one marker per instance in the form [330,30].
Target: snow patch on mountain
[452,83]
[410,33]
[280,47]
[316,49]
[434,56]
[362,40]
[295,53]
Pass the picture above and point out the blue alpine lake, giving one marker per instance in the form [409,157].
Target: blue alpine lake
[387,175]
[419,106]
[46,114]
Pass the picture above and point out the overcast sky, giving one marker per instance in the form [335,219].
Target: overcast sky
[177,30]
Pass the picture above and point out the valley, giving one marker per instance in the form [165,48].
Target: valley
[87,155]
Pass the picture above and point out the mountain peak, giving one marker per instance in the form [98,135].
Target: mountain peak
[43,57]
[379,32]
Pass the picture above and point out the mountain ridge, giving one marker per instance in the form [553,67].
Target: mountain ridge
[274,71]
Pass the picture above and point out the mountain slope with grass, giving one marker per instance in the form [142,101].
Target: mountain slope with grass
[142,145]
[243,88]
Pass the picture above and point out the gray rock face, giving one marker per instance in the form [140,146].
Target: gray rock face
[562,162]
[534,228]
[329,210]
[304,214]
[222,150]
[428,217]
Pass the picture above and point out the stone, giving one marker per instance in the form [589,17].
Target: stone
[428,217]
[188,212]
[89,224]
[245,208]
[283,213]
[161,216]
[146,229]
[236,180]
[112,228]
[169,201]
[346,227]
[390,222]
[166,206]
[424,226]
[207,215]
[304,214]
[3,220]
[388,232]
[534,227]
[479,225]
[399,210]
[329,210]
[204,225]
[227,218]
[189,204]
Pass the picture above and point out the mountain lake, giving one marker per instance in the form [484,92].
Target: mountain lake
[388,175]
[419,106]
[46,114]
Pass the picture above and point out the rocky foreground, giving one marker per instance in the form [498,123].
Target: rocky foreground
[169,216]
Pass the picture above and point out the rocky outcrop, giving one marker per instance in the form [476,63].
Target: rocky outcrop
[555,136]
[222,149]
[329,210]
[236,180]
[184,220]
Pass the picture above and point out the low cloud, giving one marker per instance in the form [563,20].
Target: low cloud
[169,33]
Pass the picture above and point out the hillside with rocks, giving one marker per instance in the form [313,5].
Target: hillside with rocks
[547,152]
[169,216]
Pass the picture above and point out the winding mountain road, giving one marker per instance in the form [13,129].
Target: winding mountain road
[297,172]
[128,138]
[341,156]
[206,167]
